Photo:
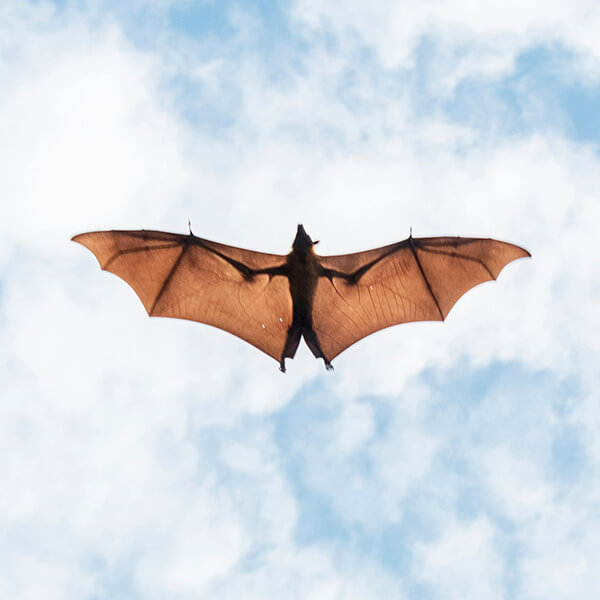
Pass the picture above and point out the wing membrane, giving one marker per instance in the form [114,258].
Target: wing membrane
[419,279]
[186,277]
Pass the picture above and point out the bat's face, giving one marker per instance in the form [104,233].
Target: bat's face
[302,242]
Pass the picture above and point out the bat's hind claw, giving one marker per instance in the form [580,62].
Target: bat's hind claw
[328,365]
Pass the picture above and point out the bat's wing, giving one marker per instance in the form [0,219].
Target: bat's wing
[418,279]
[187,277]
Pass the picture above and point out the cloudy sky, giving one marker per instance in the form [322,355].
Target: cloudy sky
[161,459]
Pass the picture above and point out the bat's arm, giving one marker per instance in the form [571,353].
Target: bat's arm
[270,271]
[244,269]
[355,276]
[331,273]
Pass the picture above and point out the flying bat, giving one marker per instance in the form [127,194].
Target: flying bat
[272,301]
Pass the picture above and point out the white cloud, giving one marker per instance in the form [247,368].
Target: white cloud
[562,553]
[517,484]
[475,38]
[462,562]
[200,546]
[364,473]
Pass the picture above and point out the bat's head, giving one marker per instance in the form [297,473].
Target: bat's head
[302,242]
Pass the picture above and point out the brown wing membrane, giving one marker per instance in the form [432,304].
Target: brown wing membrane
[186,277]
[419,279]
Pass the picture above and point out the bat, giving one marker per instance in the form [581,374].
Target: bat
[272,301]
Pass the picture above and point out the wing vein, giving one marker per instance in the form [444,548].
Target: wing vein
[459,256]
[140,249]
[369,289]
[348,304]
[412,247]
[167,280]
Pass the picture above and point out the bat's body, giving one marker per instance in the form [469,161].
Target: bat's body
[272,301]
[302,270]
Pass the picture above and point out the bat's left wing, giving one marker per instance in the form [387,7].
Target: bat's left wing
[187,277]
[418,279]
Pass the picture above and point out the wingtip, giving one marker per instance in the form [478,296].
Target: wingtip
[86,237]
[77,238]
[524,253]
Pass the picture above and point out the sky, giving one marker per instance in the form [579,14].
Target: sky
[147,459]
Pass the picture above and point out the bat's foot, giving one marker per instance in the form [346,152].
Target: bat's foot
[328,365]
[282,365]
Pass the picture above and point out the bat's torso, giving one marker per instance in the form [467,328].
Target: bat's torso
[302,269]
[303,275]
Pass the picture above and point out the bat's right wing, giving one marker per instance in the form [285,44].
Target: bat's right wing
[418,279]
[187,277]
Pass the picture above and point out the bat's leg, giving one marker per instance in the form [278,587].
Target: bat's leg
[291,344]
[310,337]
